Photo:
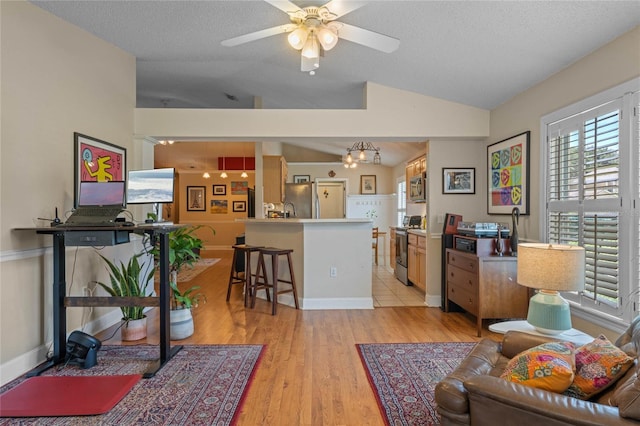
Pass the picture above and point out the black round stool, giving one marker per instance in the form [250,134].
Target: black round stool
[240,277]
[262,280]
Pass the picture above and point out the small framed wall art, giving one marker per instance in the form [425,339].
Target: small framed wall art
[367,184]
[301,178]
[459,181]
[196,199]
[239,206]
[219,189]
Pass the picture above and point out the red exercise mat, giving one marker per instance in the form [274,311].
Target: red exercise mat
[65,395]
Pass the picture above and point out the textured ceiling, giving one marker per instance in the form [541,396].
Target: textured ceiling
[477,53]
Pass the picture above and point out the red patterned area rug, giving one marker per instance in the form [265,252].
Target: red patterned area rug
[200,385]
[404,376]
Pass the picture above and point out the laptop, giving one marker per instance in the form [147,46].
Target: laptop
[99,204]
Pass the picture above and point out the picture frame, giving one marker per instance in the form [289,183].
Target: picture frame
[239,206]
[301,178]
[96,160]
[239,187]
[508,175]
[219,207]
[367,184]
[219,189]
[458,180]
[196,198]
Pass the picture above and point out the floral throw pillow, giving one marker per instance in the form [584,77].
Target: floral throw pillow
[598,365]
[549,366]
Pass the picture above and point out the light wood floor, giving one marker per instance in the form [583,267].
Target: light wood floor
[310,373]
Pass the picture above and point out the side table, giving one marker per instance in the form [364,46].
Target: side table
[572,335]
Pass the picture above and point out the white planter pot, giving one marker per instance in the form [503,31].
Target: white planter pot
[181,324]
[134,330]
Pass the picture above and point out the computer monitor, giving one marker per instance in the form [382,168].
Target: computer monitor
[150,186]
[96,194]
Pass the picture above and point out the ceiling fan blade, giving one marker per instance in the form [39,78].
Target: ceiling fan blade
[340,7]
[246,38]
[368,38]
[285,6]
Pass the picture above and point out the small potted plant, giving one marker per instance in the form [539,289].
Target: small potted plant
[127,281]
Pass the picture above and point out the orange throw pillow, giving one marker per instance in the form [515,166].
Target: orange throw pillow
[548,366]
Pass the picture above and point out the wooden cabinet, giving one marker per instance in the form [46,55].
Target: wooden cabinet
[415,167]
[392,248]
[417,261]
[274,177]
[485,286]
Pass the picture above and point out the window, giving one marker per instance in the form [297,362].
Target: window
[592,174]
[402,201]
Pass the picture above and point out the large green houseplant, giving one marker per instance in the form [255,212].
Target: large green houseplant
[128,280]
[184,250]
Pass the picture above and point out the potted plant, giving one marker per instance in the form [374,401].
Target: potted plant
[184,250]
[127,281]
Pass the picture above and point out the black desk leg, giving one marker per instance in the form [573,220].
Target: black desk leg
[166,352]
[59,309]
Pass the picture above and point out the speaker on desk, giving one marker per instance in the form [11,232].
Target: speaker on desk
[448,231]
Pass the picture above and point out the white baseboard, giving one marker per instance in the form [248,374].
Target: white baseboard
[433,301]
[20,365]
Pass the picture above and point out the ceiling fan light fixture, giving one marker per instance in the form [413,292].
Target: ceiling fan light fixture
[311,50]
[298,37]
[309,64]
[328,39]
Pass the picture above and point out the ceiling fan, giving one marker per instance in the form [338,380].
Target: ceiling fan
[314,29]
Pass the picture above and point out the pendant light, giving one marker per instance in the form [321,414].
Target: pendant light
[224,175]
[244,165]
[206,174]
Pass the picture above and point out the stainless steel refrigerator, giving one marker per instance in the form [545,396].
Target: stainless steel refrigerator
[301,196]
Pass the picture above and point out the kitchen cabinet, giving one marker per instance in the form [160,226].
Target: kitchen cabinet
[274,176]
[485,286]
[415,167]
[392,248]
[417,260]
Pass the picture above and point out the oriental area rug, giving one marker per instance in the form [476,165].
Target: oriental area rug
[404,376]
[200,385]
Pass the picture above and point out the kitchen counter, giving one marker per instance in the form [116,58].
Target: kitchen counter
[321,246]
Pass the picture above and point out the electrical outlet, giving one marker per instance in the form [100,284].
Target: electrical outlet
[333,272]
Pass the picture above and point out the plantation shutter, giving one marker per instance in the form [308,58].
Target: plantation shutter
[583,208]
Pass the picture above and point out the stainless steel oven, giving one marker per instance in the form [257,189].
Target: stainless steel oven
[402,246]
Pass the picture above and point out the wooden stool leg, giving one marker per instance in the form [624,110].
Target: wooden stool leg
[260,272]
[232,273]
[274,271]
[293,280]
[247,278]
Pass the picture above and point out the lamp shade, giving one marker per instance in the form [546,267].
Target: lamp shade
[551,266]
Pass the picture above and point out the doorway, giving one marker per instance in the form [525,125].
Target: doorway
[331,198]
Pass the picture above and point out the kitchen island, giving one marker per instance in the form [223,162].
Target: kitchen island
[331,259]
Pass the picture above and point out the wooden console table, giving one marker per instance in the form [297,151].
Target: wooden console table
[60,302]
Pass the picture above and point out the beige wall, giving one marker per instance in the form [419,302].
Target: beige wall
[56,80]
[615,63]
[384,184]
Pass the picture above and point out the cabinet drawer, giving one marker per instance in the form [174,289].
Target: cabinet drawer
[464,262]
[464,299]
[412,239]
[422,242]
[464,279]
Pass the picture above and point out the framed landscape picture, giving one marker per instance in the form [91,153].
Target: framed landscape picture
[219,189]
[239,206]
[508,177]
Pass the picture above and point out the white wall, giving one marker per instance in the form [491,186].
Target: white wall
[56,79]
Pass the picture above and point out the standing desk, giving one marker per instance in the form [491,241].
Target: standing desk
[60,302]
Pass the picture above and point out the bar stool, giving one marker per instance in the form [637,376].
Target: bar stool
[237,277]
[262,280]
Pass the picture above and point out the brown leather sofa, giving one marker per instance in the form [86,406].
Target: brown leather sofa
[475,394]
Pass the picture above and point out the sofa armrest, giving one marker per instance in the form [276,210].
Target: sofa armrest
[492,400]
[450,394]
